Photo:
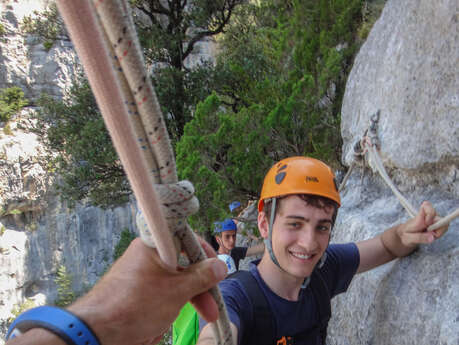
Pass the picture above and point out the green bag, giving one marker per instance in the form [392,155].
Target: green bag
[185,329]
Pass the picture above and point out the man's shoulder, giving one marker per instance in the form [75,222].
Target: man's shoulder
[239,252]
[232,283]
[342,249]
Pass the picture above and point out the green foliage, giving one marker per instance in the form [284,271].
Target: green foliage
[14,212]
[370,13]
[7,129]
[169,36]
[65,294]
[280,95]
[126,238]
[11,101]
[31,227]
[86,160]
[20,308]
[2,230]
[169,33]
[47,26]
[2,30]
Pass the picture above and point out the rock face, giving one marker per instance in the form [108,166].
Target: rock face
[38,233]
[407,69]
[24,61]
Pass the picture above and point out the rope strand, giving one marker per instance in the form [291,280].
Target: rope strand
[110,52]
[369,144]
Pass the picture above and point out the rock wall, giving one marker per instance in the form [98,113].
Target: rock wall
[38,233]
[407,69]
[25,62]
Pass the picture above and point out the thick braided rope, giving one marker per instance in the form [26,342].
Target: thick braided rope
[109,91]
[89,43]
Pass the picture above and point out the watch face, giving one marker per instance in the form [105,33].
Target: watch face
[228,260]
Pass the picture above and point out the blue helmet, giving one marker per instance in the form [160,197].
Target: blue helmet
[234,205]
[227,225]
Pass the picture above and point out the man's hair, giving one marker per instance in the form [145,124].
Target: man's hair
[312,200]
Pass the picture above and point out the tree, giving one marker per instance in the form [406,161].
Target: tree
[281,96]
[169,33]
[11,101]
[65,294]
[86,159]
[126,237]
[47,26]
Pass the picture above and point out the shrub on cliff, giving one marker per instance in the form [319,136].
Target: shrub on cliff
[11,101]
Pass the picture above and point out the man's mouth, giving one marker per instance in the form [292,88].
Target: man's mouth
[301,256]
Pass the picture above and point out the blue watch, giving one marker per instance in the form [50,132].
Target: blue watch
[63,323]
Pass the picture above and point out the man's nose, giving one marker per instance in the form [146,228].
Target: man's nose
[308,238]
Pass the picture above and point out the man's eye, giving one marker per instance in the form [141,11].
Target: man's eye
[323,228]
[294,224]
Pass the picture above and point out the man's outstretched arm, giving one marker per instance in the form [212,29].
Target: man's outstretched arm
[400,240]
[137,300]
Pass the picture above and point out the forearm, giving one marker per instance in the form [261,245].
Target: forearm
[392,242]
[381,249]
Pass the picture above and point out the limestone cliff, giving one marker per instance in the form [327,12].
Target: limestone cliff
[38,233]
[407,69]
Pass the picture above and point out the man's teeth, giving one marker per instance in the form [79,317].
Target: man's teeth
[301,256]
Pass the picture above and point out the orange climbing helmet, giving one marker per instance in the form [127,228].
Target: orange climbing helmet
[299,175]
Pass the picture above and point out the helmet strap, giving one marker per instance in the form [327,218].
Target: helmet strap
[268,241]
[318,266]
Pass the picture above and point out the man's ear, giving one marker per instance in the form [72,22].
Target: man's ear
[263,224]
[219,240]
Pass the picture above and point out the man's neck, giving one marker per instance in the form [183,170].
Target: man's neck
[280,282]
[223,250]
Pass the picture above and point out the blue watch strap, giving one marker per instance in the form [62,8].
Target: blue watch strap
[63,323]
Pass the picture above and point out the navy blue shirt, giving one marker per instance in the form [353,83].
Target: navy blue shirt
[291,317]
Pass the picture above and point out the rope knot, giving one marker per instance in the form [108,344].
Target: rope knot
[177,202]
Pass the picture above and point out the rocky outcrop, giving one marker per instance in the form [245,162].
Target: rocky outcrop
[39,233]
[407,69]
[25,62]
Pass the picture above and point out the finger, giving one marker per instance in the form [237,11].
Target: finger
[417,224]
[416,238]
[207,248]
[201,276]
[429,212]
[440,231]
[206,306]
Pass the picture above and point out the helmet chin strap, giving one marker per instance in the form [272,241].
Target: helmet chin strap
[268,245]
[268,241]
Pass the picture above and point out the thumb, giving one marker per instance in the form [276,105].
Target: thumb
[203,275]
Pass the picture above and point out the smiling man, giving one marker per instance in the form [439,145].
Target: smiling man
[285,297]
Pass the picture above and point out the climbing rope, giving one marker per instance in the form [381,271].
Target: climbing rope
[369,143]
[105,39]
